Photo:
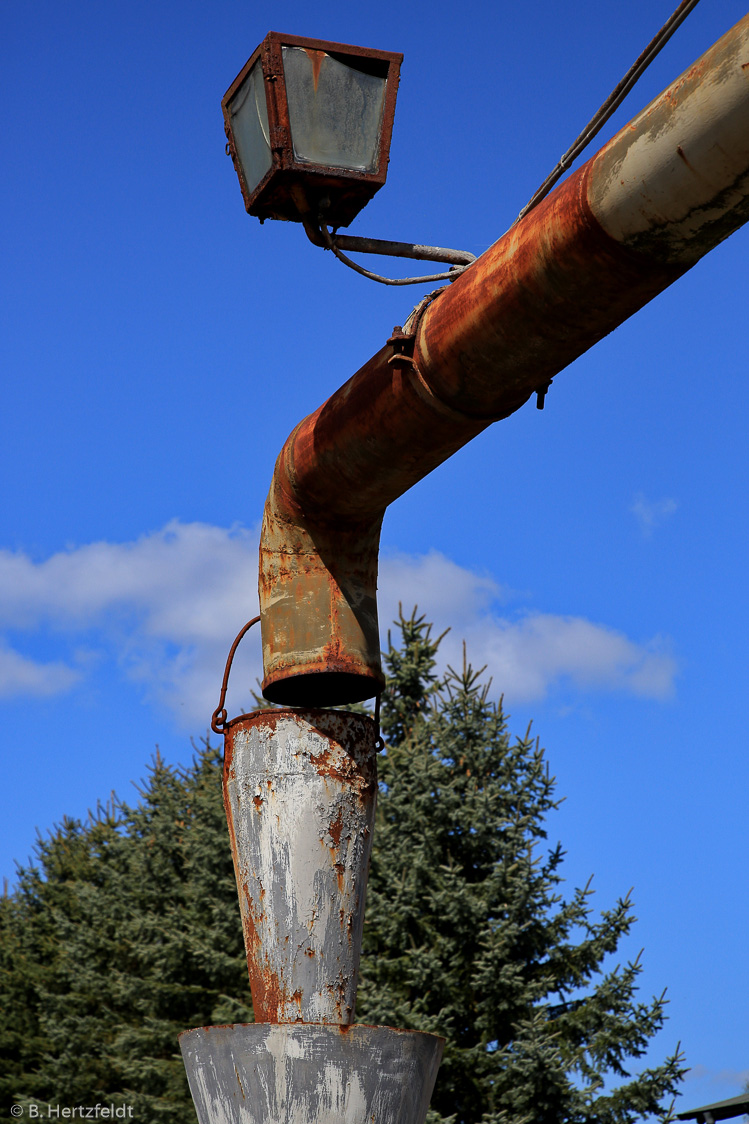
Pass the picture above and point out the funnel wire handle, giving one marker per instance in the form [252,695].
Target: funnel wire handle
[379,740]
[218,718]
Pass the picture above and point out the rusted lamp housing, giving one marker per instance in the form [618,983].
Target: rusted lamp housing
[309,125]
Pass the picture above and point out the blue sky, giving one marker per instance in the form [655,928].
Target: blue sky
[158,345]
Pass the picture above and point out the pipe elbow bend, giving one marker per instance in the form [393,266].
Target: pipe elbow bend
[318,603]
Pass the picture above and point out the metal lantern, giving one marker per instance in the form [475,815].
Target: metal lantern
[309,125]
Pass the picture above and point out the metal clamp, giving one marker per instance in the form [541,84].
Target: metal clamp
[402,344]
[403,339]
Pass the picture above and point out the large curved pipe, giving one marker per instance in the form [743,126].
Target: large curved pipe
[668,188]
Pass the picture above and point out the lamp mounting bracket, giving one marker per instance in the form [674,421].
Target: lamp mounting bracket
[320,235]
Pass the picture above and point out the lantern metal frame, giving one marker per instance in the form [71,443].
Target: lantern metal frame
[297,190]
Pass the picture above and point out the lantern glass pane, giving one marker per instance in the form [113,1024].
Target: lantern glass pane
[335,110]
[249,123]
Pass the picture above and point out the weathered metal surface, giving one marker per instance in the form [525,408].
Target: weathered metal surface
[550,289]
[403,250]
[291,189]
[590,255]
[306,1074]
[321,580]
[300,791]
[357,244]
[676,181]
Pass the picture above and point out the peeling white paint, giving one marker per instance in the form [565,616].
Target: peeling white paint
[682,164]
[301,805]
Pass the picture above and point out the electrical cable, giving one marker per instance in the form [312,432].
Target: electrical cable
[614,100]
[593,127]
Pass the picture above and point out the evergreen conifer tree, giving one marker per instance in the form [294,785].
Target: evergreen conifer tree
[147,943]
[127,931]
[467,933]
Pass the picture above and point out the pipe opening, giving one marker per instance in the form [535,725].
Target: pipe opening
[322,688]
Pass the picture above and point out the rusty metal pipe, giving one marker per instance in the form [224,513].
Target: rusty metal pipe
[670,186]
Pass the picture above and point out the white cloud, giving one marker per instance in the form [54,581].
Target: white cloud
[737,1077]
[22,677]
[530,653]
[166,607]
[650,514]
[178,578]
[529,656]
[447,591]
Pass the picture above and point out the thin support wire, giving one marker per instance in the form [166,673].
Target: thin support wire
[612,103]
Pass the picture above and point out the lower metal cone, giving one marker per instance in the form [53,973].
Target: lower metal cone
[310,1073]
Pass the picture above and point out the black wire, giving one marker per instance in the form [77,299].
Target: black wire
[613,101]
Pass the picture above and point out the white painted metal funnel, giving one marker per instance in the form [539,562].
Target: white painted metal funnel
[300,789]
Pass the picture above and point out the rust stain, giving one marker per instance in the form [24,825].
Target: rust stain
[228,757]
[316,58]
[227,808]
[271,999]
[353,765]
[336,828]
[251,944]
[328,764]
